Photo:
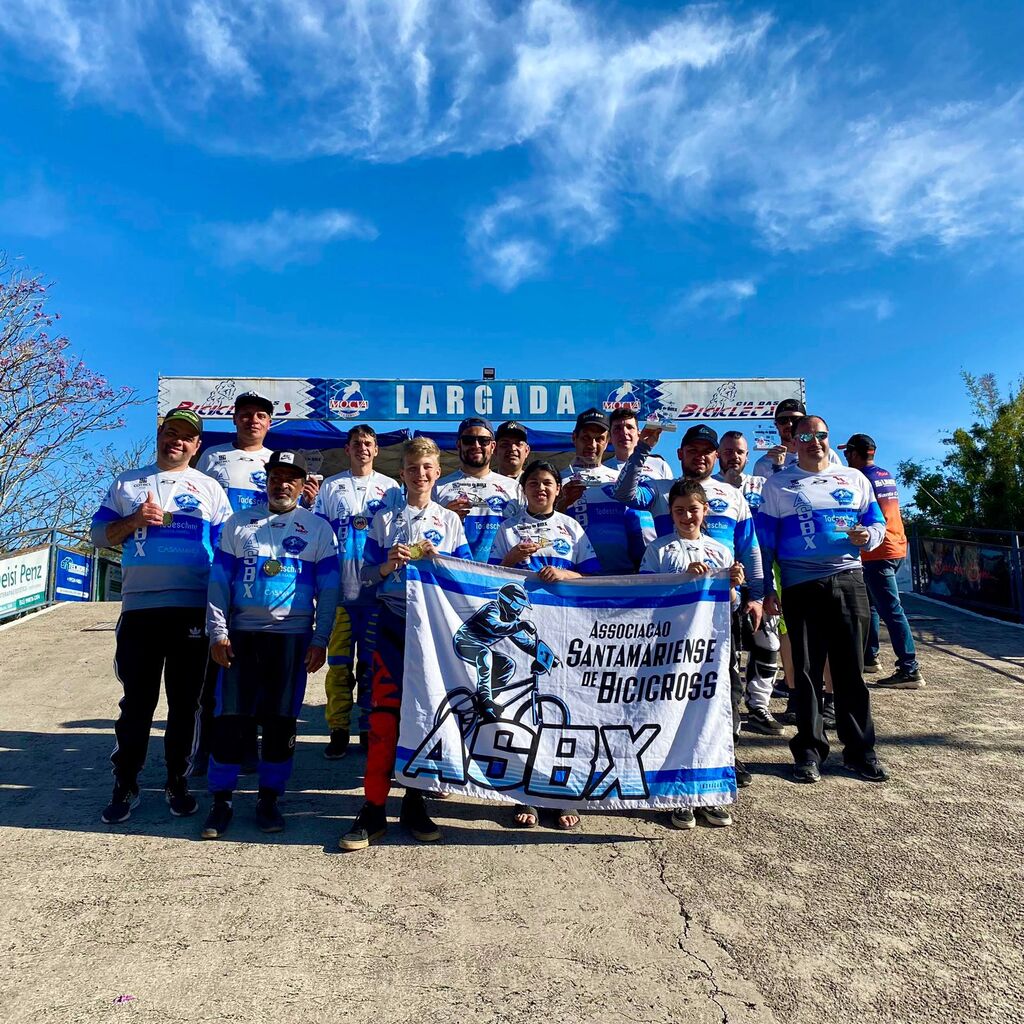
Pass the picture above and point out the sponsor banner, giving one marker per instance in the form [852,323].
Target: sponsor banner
[72,577]
[23,580]
[968,574]
[610,692]
[336,398]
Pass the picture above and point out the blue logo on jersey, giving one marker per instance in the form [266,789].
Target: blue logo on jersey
[374,505]
[345,400]
[496,503]
[623,397]
[186,502]
[562,547]
[259,478]
[718,505]
[843,496]
[754,501]
[293,545]
[433,536]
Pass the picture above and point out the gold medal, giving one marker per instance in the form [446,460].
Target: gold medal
[359,522]
[168,519]
[271,567]
[416,550]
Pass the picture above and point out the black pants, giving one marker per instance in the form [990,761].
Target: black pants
[828,619]
[151,642]
[735,680]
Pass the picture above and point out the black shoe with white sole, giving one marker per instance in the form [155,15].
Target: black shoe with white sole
[219,818]
[181,802]
[807,771]
[762,721]
[370,824]
[902,680]
[743,777]
[268,815]
[414,817]
[869,769]
[123,801]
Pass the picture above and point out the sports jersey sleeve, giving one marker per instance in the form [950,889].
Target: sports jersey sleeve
[218,595]
[748,552]
[872,519]
[766,524]
[650,563]
[375,554]
[108,512]
[328,581]
[586,558]
[460,546]
[219,514]
[630,488]
[502,544]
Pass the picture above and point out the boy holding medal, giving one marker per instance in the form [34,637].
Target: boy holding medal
[167,518]
[401,533]
[273,591]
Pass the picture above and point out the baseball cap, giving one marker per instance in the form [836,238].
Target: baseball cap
[183,415]
[255,398]
[296,460]
[592,418]
[789,407]
[475,421]
[512,428]
[860,443]
[700,433]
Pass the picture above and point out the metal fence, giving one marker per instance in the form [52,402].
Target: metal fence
[43,567]
[971,568]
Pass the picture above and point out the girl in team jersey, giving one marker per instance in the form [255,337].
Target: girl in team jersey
[538,538]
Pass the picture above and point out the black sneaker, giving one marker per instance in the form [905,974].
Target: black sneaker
[682,817]
[715,817]
[743,777]
[123,801]
[807,771]
[338,747]
[788,717]
[902,680]
[218,819]
[414,817]
[828,715]
[763,721]
[780,691]
[371,823]
[181,802]
[871,668]
[268,817]
[869,769]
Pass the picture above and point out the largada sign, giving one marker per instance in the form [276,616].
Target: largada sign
[337,398]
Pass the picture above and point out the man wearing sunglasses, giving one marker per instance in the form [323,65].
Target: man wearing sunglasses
[815,519]
[476,494]
[787,414]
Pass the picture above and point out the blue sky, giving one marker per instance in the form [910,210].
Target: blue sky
[297,187]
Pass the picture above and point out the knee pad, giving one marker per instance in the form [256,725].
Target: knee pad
[278,739]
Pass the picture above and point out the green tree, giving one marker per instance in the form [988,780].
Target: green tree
[980,481]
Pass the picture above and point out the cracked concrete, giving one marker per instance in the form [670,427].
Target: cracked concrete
[845,900]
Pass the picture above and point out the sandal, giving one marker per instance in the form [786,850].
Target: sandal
[561,814]
[526,811]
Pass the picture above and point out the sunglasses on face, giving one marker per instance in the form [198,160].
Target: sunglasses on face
[818,435]
[483,442]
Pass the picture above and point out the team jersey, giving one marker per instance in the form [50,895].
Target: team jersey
[243,475]
[165,566]
[565,544]
[728,518]
[750,487]
[888,498]
[399,523]
[676,554]
[766,468]
[490,494]
[349,503]
[275,573]
[654,468]
[800,517]
[616,532]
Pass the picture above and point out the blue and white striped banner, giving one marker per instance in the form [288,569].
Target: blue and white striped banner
[613,692]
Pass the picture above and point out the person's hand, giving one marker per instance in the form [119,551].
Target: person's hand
[528,627]
[149,513]
[310,489]
[552,574]
[570,494]
[427,549]
[771,605]
[698,569]
[221,652]
[858,536]
[736,574]
[756,612]
[460,506]
[778,454]
[315,658]
[520,553]
[650,436]
[398,557]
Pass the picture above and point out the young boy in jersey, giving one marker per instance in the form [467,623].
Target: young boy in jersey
[401,533]
[690,550]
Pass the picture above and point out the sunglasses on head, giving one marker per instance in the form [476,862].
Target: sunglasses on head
[473,439]
[818,435]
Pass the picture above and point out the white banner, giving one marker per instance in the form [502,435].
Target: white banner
[612,692]
[214,397]
[23,579]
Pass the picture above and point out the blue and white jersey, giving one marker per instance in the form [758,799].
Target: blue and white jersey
[676,554]
[275,573]
[243,475]
[350,503]
[615,532]
[654,468]
[400,523]
[750,487]
[728,518]
[766,468]
[565,544]
[490,495]
[165,566]
[801,519]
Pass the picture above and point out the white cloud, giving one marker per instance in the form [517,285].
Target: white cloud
[699,113]
[723,297]
[282,238]
[881,307]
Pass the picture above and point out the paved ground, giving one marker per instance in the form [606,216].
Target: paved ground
[844,901]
